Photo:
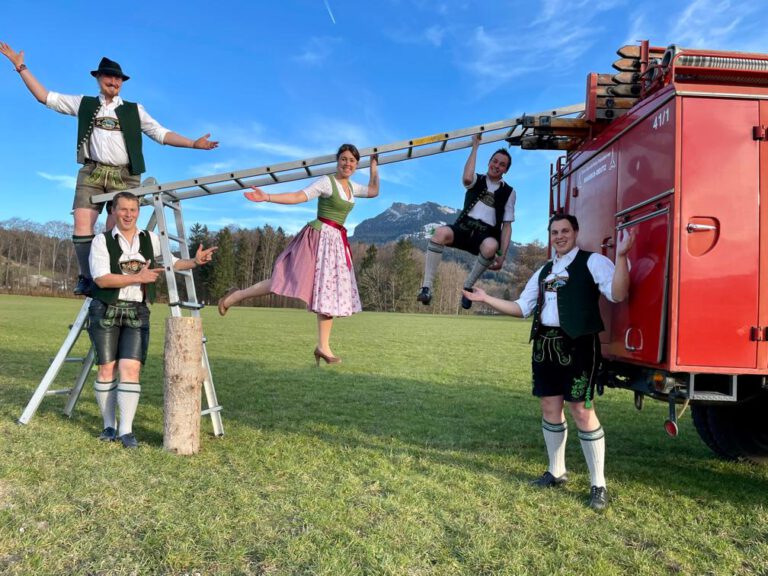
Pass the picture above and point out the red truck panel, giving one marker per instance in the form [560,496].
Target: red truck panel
[718,231]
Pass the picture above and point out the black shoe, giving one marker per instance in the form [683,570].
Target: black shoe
[108,434]
[466,303]
[549,481]
[129,441]
[425,296]
[598,497]
[84,285]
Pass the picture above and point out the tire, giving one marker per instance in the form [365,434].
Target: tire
[735,432]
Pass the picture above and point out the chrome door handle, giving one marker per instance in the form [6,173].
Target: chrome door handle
[699,228]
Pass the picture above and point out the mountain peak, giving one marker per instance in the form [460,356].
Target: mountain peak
[404,220]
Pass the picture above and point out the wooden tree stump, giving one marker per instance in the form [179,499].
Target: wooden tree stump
[182,384]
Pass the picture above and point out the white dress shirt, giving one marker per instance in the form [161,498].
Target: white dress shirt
[106,146]
[600,267]
[487,214]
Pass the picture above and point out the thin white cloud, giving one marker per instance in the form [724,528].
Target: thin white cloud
[709,23]
[318,50]
[434,35]
[68,182]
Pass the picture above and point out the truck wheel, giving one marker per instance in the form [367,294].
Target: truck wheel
[736,432]
[700,415]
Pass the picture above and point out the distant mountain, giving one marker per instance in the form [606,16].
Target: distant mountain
[415,221]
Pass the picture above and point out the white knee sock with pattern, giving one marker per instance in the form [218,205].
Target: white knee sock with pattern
[555,437]
[434,255]
[127,401]
[593,446]
[106,394]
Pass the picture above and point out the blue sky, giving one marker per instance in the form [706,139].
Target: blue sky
[283,81]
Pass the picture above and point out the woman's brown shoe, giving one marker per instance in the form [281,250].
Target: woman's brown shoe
[223,307]
[328,359]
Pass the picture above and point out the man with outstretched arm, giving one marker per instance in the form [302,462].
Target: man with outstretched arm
[563,296]
[123,262]
[483,227]
[108,145]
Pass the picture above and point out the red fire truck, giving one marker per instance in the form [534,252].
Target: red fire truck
[675,147]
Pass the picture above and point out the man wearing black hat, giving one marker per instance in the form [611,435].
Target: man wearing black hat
[109,145]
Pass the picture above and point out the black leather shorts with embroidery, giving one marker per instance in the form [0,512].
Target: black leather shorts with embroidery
[119,331]
[564,366]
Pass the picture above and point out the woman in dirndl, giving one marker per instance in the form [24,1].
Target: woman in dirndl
[316,267]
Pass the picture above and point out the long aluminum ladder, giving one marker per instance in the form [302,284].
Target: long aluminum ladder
[177,306]
[524,131]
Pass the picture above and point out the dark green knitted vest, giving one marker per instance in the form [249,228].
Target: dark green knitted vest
[109,295]
[500,198]
[577,301]
[130,125]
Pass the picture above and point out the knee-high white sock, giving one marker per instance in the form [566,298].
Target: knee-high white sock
[481,265]
[127,401]
[434,255]
[555,437]
[106,394]
[593,446]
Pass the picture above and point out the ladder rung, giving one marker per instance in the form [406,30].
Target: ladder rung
[172,205]
[58,392]
[187,305]
[175,238]
[73,359]
[211,410]
[184,272]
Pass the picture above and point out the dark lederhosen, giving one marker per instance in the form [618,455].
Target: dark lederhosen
[120,329]
[469,233]
[565,360]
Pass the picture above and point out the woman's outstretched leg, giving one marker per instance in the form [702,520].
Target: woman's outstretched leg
[233,295]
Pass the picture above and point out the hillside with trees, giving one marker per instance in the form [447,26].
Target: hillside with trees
[40,259]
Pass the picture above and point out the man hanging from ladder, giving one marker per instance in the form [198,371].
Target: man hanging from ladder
[108,145]
[484,226]
[122,260]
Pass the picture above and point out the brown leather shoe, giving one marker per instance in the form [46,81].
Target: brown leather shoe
[222,307]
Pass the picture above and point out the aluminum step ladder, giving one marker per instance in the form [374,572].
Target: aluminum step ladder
[158,220]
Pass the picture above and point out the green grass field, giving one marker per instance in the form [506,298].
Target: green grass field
[412,457]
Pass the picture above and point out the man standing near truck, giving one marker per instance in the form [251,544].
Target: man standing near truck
[563,296]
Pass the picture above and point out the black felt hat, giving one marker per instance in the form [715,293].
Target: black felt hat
[110,68]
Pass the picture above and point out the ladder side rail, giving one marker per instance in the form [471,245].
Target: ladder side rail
[77,389]
[56,364]
[167,255]
[197,184]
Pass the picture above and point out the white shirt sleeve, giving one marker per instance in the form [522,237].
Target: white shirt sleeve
[602,270]
[530,294]
[151,127]
[98,260]
[359,190]
[63,103]
[468,186]
[509,208]
[320,187]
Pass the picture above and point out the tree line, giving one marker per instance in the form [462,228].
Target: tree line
[40,259]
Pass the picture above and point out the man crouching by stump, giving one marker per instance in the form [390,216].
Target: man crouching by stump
[122,260]
[563,296]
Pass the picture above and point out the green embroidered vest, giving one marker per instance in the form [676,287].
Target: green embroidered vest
[577,301]
[109,295]
[500,197]
[332,208]
[130,125]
